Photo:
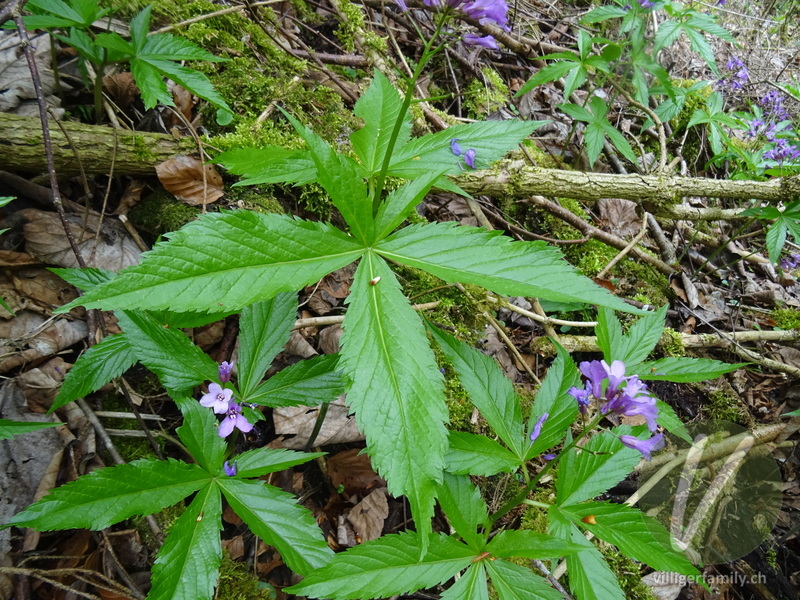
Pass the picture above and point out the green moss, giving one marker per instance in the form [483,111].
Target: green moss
[485,95]
[237,582]
[671,343]
[257,199]
[161,213]
[166,520]
[786,318]
[724,405]
[628,573]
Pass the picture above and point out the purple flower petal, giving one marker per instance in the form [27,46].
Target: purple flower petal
[646,447]
[549,456]
[234,419]
[230,470]
[487,41]
[455,147]
[469,158]
[537,429]
[217,398]
[224,370]
[595,373]
[402,5]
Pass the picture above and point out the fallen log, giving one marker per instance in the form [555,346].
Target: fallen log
[95,147]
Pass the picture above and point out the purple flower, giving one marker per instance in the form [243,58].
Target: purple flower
[646,447]
[782,152]
[595,374]
[537,429]
[549,456]
[455,147]
[225,369]
[487,41]
[633,400]
[722,2]
[790,262]
[736,77]
[230,470]
[234,418]
[615,374]
[217,398]
[469,158]
[646,4]
[403,6]
[487,11]
[581,396]
[755,127]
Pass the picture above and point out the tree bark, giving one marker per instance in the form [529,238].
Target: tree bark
[95,147]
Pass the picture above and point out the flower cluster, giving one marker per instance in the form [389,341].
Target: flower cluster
[491,12]
[221,400]
[622,395]
[736,77]
[469,155]
[789,263]
[776,122]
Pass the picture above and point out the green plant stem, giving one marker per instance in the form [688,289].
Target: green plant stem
[427,53]
[523,494]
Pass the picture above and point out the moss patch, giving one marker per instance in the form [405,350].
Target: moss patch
[237,582]
[786,318]
[161,213]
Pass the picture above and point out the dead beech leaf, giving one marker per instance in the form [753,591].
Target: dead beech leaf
[353,471]
[183,177]
[122,88]
[368,516]
[338,427]
[619,217]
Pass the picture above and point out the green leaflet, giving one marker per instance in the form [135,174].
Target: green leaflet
[400,202]
[275,517]
[488,388]
[199,434]
[397,391]
[471,585]
[465,509]
[258,462]
[513,582]
[387,566]
[187,566]
[634,346]
[477,455]
[683,369]
[529,544]
[584,475]
[225,261]
[95,368]
[264,329]
[309,382]
[109,495]
[379,107]
[169,353]
[9,429]
[272,164]
[494,261]
[634,533]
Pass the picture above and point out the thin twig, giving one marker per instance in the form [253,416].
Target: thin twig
[498,327]
[334,319]
[218,13]
[625,250]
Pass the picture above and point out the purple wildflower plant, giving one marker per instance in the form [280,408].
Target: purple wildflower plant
[230,469]
[736,77]
[782,152]
[217,398]
[629,399]
[537,429]
[234,419]
[549,457]
[225,369]
[646,447]
[646,4]
[486,41]
[469,158]
[791,262]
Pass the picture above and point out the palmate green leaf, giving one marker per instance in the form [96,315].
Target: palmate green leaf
[529,544]
[109,495]
[634,346]
[151,84]
[547,74]
[264,329]
[478,455]
[114,41]
[339,175]
[471,585]
[379,108]
[595,136]
[584,475]
[513,582]
[258,462]
[194,81]
[488,388]
[400,202]
[164,46]
[85,279]
[552,398]
[95,368]
[187,566]
[397,393]
[603,13]
[634,533]
[84,45]
[139,27]
[199,434]
[275,517]
[385,567]
[493,261]
[309,382]
[272,164]
[9,429]
[681,369]
[225,261]
[461,501]
[167,352]
[490,139]
[590,577]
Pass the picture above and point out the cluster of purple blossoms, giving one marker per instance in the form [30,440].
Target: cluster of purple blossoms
[622,395]
[222,402]
[486,12]
[736,77]
[469,155]
[789,263]
[776,121]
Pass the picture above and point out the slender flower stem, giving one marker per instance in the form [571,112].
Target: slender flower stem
[427,53]
[523,494]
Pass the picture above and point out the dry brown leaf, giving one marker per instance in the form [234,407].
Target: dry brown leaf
[31,337]
[368,516]
[40,385]
[329,339]
[619,216]
[298,421]
[183,177]
[122,88]
[353,471]
[298,346]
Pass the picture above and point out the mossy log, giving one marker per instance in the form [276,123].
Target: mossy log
[95,147]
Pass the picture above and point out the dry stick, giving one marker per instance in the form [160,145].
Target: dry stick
[598,234]
[502,333]
[544,320]
[625,250]
[333,320]
[120,569]
[40,575]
